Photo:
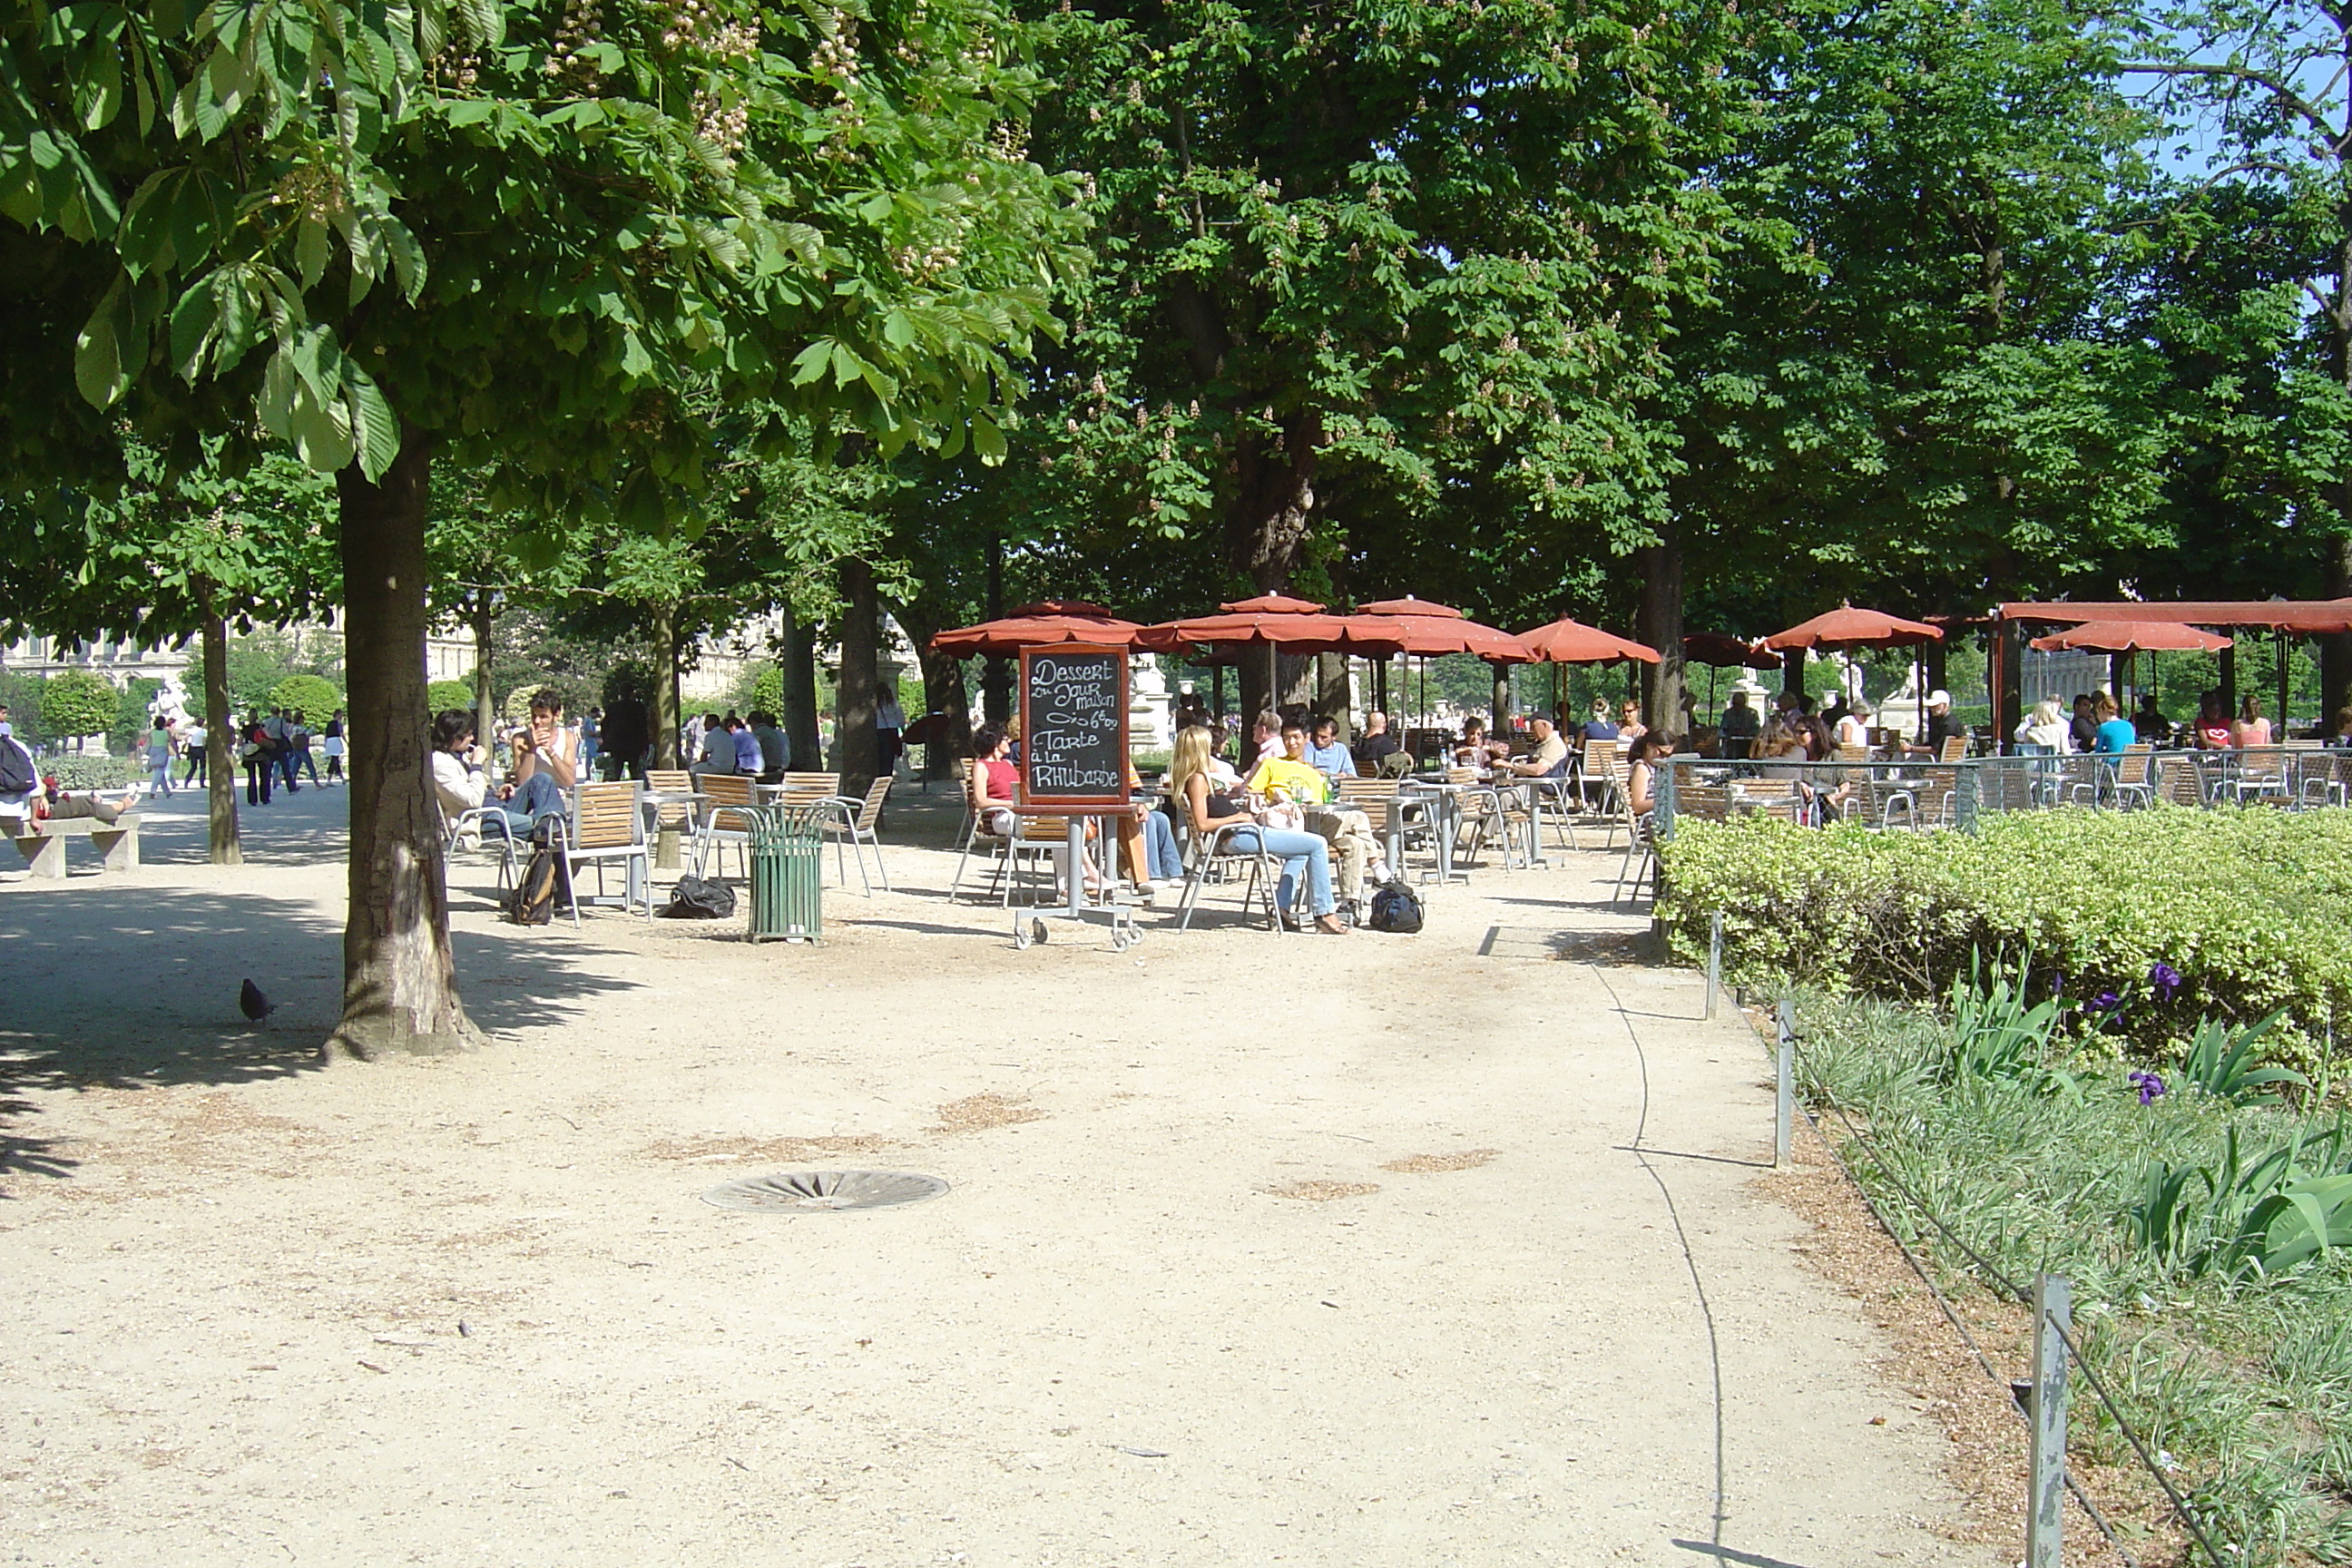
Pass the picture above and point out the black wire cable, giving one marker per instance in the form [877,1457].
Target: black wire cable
[1944,1304]
[1690,1261]
[1985,1266]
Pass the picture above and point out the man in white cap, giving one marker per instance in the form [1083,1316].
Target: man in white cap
[1941,726]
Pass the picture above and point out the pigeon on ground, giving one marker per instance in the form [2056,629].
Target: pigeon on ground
[253,1003]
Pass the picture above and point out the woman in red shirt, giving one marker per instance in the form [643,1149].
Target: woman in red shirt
[2212,725]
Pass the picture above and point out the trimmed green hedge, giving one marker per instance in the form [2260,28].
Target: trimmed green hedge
[2251,908]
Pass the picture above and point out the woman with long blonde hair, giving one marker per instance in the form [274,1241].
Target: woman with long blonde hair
[1210,809]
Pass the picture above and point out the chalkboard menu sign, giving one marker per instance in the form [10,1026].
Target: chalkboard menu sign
[1073,725]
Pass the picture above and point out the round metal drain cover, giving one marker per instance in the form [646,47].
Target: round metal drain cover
[817,1191]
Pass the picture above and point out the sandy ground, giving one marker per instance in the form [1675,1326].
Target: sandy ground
[1259,1248]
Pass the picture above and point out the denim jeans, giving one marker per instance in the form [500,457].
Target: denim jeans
[1162,861]
[1298,852]
[537,797]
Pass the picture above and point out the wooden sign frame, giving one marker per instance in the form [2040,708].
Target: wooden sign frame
[1055,799]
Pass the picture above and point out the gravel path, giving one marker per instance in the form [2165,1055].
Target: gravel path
[1327,1251]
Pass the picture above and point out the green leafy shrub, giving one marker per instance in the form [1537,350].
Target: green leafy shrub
[2221,1061]
[75,703]
[440,696]
[2201,1296]
[312,696]
[2245,911]
[1998,1037]
[93,771]
[2266,1216]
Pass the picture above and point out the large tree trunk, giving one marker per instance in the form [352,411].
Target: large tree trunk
[857,751]
[486,710]
[801,725]
[665,640]
[943,688]
[223,846]
[400,982]
[1659,623]
[1266,525]
[996,678]
[1334,697]
[1499,718]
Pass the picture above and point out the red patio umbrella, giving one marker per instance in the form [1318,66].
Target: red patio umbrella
[1847,628]
[1568,641]
[1035,625]
[1293,626]
[1433,629]
[1725,651]
[2132,637]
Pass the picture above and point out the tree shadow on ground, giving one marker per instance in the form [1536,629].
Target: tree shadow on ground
[131,985]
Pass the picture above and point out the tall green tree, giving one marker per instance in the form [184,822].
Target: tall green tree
[522,236]
[2265,90]
[176,554]
[1356,249]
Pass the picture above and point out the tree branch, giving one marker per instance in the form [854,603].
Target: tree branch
[2287,97]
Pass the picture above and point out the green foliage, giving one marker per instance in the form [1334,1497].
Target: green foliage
[130,728]
[1998,1037]
[21,695]
[2237,1217]
[106,773]
[75,703]
[2221,1061]
[2250,907]
[2242,1369]
[313,696]
[440,696]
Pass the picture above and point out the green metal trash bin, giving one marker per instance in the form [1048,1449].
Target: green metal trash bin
[787,877]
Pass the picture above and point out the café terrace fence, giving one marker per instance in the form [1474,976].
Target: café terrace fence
[1924,795]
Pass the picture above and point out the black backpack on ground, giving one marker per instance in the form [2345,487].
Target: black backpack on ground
[532,902]
[699,898]
[1396,910]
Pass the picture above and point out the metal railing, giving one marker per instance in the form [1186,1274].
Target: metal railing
[1921,793]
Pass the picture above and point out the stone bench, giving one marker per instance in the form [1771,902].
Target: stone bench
[42,844]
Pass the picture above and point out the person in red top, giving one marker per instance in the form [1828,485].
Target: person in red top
[2213,724]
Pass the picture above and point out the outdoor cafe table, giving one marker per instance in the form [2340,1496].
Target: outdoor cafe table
[651,801]
[1444,800]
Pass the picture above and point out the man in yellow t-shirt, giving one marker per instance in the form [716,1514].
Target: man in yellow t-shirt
[1346,830]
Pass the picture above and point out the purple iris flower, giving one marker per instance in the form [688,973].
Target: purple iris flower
[2107,1002]
[2058,986]
[2164,980]
[2148,1084]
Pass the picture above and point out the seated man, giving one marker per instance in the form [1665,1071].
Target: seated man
[1377,744]
[775,751]
[1326,755]
[747,756]
[1288,779]
[461,784]
[1548,761]
[717,751]
[1741,725]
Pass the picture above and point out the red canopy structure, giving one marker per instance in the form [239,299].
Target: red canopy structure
[1567,641]
[1725,651]
[1294,625]
[1035,625]
[2309,616]
[2132,637]
[1433,629]
[1847,628]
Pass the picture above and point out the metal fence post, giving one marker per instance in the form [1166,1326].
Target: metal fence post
[1784,1085]
[1714,959]
[1967,792]
[1662,808]
[2047,1415]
